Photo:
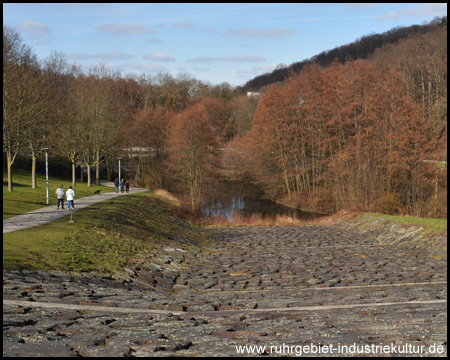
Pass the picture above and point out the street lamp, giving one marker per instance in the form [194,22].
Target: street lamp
[119,158]
[46,168]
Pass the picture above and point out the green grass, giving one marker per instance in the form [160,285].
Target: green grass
[429,225]
[23,198]
[104,237]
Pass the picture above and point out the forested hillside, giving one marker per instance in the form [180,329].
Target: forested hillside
[368,133]
[359,49]
[348,136]
[361,134]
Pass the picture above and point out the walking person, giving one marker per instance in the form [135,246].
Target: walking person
[60,197]
[116,184]
[122,184]
[127,186]
[70,194]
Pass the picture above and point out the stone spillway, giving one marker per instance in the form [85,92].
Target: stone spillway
[251,291]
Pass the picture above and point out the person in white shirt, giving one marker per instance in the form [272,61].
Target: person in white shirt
[60,197]
[70,195]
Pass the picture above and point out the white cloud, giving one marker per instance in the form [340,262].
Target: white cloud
[246,58]
[126,29]
[430,10]
[159,56]
[235,58]
[268,33]
[145,67]
[185,25]
[360,5]
[255,70]
[34,29]
[78,56]
[117,55]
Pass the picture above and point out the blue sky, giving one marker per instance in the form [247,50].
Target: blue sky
[215,43]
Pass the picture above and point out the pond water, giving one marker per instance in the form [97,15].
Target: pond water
[234,200]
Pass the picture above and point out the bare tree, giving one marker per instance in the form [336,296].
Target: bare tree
[18,100]
[192,160]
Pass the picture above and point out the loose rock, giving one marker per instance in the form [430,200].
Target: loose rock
[356,283]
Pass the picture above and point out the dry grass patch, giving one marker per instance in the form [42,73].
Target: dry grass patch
[164,194]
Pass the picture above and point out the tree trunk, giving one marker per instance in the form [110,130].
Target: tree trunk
[10,183]
[73,174]
[88,175]
[97,177]
[33,170]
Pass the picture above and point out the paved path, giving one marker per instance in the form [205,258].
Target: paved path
[49,213]
[252,286]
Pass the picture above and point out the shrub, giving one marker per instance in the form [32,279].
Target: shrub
[388,203]
[436,208]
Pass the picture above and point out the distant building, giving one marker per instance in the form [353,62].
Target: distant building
[250,94]
[136,151]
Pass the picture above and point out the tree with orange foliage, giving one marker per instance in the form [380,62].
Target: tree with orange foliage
[219,114]
[192,161]
[343,137]
[149,132]
[406,144]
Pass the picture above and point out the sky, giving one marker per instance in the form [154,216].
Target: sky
[214,43]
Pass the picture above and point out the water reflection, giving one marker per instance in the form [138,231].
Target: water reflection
[244,201]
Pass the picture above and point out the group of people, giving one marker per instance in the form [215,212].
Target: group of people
[70,195]
[122,183]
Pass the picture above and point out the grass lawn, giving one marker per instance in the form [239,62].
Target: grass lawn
[23,198]
[104,237]
[429,225]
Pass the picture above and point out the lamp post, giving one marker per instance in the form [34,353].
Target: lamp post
[46,168]
[119,158]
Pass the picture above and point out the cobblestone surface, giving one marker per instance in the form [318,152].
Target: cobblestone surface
[254,286]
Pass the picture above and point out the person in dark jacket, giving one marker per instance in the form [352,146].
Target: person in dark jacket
[116,184]
[122,184]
